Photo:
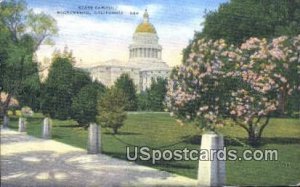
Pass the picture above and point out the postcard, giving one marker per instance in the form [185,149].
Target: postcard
[150,93]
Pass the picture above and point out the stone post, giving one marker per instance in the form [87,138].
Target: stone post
[94,140]
[5,121]
[211,171]
[22,124]
[46,129]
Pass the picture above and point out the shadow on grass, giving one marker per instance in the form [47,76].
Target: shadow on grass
[166,164]
[264,141]
[70,126]
[55,136]
[280,140]
[239,142]
[196,140]
[122,133]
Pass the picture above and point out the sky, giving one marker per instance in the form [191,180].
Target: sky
[96,38]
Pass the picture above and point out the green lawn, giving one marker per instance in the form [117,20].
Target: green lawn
[160,131]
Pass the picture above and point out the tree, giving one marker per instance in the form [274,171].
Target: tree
[196,89]
[220,81]
[265,70]
[126,84]
[238,20]
[58,89]
[152,99]
[62,84]
[31,89]
[84,104]
[21,33]
[143,101]
[156,94]
[111,109]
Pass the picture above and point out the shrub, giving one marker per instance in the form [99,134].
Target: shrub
[111,109]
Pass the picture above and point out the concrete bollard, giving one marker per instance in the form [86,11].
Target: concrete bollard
[94,140]
[211,172]
[46,129]
[22,124]
[5,121]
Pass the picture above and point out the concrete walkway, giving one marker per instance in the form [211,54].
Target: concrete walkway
[30,161]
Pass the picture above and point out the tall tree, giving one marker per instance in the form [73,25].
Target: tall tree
[238,20]
[126,84]
[62,84]
[157,93]
[58,90]
[21,33]
[84,104]
[111,109]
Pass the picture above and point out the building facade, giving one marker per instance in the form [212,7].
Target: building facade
[145,60]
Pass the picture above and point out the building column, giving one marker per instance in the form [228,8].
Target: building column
[141,52]
[152,53]
[159,54]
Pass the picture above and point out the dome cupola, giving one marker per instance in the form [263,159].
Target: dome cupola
[145,26]
[145,46]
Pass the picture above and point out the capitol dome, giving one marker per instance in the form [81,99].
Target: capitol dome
[145,46]
[145,62]
[145,26]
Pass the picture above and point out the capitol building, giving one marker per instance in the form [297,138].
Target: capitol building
[145,60]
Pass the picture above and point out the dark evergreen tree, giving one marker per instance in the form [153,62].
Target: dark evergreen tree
[237,20]
[126,84]
[63,83]
[156,94]
[58,89]
[84,104]
[111,109]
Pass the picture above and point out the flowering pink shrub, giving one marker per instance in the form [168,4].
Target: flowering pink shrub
[244,83]
[195,90]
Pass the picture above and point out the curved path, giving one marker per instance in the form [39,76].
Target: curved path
[30,161]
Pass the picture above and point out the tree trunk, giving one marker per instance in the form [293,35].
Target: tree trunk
[282,101]
[115,130]
[5,120]
[254,138]
[254,130]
